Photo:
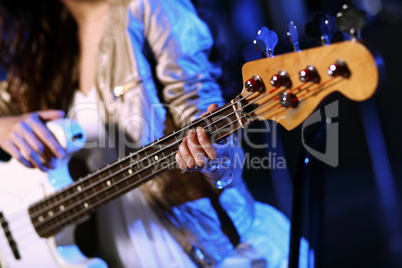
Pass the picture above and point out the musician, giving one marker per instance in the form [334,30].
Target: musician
[127,57]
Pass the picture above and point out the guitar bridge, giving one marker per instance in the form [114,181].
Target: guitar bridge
[9,236]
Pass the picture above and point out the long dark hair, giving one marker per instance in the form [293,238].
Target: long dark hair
[39,49]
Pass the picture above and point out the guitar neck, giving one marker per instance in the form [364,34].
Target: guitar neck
[84,196]
[353,73]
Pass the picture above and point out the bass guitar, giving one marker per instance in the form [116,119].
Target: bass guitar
[37,215]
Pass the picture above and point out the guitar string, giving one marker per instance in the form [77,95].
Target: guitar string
[73,217]
[228,107]
[208,116]
[23,221]
[18,213]
[116,184]
[16,228]
[31,235]
[300,97]
[15,214]
[262,106]
[124,159]
[23,242]
[20,221]
[115,164]
[88,197]
[271,111]
[24,236]
[20,236]
[122,181]
[237,128]
[263,95]
[125,179]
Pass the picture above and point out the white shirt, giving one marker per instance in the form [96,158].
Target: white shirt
[129,230]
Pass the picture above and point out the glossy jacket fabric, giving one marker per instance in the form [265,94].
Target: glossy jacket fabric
[167,39]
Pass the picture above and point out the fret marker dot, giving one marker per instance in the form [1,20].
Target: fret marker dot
[130,171]
[50,213]
[108,183]
[40,218]
[86,205]
[79,188]
[61,207]
[156,157]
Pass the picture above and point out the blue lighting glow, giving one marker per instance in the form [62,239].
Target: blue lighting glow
[73,256]
[306,160]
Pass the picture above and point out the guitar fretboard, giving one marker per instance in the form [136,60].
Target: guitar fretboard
[287,106]
[108,183]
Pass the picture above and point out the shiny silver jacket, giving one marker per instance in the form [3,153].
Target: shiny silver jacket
[165,40]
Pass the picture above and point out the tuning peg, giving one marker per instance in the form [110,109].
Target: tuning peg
[322,28]
[265,41]
[293,36]
[351,20]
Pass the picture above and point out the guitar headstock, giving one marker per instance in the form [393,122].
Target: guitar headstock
[289,87]
[294,84]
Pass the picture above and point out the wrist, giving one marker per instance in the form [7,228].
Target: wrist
[221,176]
[220,171]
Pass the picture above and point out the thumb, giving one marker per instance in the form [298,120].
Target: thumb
[51,115]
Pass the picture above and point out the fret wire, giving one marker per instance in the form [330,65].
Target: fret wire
[77,216]
[180,140]
[111,177]
[136,169]
[85,194]
[182,130]
[101,180]
[121,168]
[138,182]
[204,118]
[94,188]
[71,219]
[94,191]
[164,138]
[72,195]
[216,127]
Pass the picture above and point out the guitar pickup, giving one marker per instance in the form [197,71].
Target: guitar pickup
[9,236]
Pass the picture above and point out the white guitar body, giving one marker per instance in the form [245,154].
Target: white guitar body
[19,188]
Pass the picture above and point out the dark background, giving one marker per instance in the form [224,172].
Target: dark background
[361,197]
